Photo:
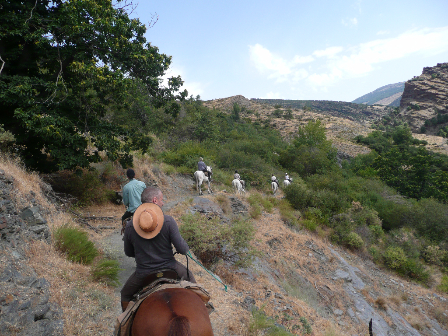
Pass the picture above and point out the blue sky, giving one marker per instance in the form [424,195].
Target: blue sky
[321,50]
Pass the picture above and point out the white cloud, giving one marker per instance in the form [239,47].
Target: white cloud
[329,52]
[302,59]
[264,60]
[328,66]
[383,32]
[350,22]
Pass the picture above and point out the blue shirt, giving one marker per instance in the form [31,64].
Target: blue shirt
[132,193]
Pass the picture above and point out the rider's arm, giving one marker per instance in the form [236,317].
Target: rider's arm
[128,247]
[176,239]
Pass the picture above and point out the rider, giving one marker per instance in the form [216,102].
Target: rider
[148,238]
[132,192]
[203,167]
[274,179]
[287,178]
[237,176]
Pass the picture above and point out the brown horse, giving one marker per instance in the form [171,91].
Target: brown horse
[172,312]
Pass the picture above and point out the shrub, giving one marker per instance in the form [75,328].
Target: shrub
[75,244]
[256,199]
[298,195]
[376,231]
[415,270]
[434,255]
[260,321]
[106,271]
[85,185]
[255,211]
[288,215]
[310,224]
[211,240]
[376,254]
[395,258]
[353,241]
[443,287]
[328,201]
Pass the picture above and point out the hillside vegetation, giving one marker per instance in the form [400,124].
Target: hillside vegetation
[79,116]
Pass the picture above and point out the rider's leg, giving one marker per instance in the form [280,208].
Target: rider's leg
[182,272]
[132,286]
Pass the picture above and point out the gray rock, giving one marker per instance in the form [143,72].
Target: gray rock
[32,216]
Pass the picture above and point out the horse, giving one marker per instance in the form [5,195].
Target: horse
[238,186]
[274,187]
[286,183]
[172,312]
[200,177]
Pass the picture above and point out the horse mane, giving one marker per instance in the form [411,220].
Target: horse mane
[179,326]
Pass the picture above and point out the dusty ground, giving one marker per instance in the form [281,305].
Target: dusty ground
[296,276]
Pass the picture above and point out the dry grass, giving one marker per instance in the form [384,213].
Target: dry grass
[395,299]
[87,305]
[381,303]
[224,202]
[25,182]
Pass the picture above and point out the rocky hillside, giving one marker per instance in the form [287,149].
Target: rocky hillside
[288,119]
[303,284]
[356,112]
[425,96]
[389,95]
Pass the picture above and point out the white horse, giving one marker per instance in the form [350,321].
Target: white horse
[238,186]
[274,187]
[286,183]
[200,177]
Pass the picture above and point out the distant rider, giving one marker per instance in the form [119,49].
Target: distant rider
[203,167]
[237,176]
[274,179]
[287,178]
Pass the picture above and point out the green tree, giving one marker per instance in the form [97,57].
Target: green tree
[310,151]
[67,66]
[413,172]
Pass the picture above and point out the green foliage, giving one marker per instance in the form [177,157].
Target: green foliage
[260,321]
[75,244]
[443,287]
[310,152]
[395,258]
[85,185]
[353,241]
[434,255]
[306,326]
[6,139]
[256,199]
[106,271]
[68,67]
[185,154]
[211,240]
[299,195]
[288,215]
[310,224]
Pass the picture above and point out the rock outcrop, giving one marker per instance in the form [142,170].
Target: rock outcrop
[25,305]
[425,96]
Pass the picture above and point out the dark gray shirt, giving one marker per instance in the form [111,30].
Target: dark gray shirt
[156,253]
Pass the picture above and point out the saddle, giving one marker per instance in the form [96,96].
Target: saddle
[154,282]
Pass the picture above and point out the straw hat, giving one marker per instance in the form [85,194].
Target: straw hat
[148,220]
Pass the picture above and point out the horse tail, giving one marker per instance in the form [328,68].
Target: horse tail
[179,326]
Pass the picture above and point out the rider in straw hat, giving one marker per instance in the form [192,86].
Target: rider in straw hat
[148,238]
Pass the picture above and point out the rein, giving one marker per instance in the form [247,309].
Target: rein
[209,272]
